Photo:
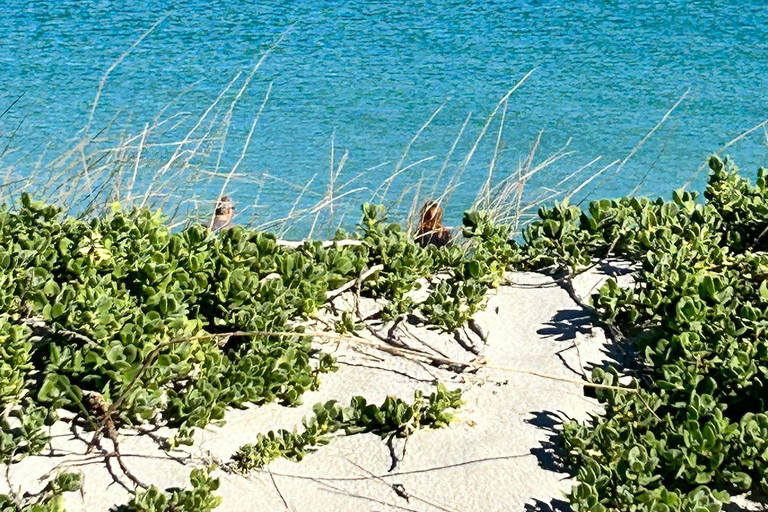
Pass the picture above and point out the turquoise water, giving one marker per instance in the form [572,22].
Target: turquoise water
[368,77]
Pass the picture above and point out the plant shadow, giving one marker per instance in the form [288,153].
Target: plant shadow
[616,267]
[567,324]
[553,506]
[549,455]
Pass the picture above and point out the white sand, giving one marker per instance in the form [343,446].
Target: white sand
[495,458]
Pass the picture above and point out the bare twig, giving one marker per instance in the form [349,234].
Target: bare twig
[421,356]
[272,477]
[397,488]
[332,294]
[99,408]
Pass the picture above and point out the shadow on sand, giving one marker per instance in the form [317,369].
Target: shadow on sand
[552,506]
[566,326]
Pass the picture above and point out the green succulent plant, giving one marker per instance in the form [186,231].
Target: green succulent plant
[694,433]
[48,500]
[393,418]
[200,498]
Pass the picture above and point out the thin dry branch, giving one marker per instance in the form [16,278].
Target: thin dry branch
[332,294]
[422,357]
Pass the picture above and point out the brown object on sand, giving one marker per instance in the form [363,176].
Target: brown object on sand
[225,209]
[431,230]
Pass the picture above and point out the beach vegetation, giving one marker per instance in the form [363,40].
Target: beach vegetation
[200,498]
[49,499]
[393,418]
[124,320]
[694,433]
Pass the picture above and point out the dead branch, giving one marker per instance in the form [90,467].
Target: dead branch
[611,330]
[436,360]
[465,344]
[332,294]
[272,477]
[100,410]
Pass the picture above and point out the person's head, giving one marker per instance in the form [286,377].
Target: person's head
[225,207]
[431,217]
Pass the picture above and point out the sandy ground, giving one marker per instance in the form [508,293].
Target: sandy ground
[498,456]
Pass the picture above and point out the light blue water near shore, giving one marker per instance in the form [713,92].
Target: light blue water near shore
[370,75]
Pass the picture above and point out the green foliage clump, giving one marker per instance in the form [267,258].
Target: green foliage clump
[393,418]
[468,271]
[48,500]
[695,432]
[122,307]
[15,349]
[172,327]
[21,420]
[163,326]
[403,261]
[199,498]
[481,265]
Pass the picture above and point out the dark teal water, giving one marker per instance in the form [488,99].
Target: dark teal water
[370,75]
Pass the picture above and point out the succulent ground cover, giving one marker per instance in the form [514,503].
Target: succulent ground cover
[122,321]
[48,500]
[697,430]
[200,498]
[394,418]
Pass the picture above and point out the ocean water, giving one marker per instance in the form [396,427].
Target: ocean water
[363,79]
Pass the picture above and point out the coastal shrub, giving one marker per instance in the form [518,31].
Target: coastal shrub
[21,419]
[154,322]
[468,270]
[695,432]
[393,418]
[15,348]
[474,269]
[173,327]
[403,261]
[200,498]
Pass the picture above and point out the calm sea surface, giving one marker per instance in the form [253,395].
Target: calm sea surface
[364,78]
